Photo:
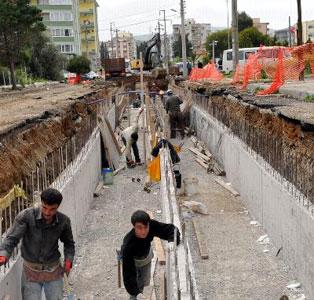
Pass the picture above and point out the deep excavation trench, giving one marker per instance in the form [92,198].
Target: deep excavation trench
[279,129]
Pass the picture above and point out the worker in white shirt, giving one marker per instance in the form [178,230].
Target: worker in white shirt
[129,138]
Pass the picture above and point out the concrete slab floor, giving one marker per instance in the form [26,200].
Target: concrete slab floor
[95,273]
[238,267]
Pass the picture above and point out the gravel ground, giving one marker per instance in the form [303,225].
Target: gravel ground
[95,273]
[238,267]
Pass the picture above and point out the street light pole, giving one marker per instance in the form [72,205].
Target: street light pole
[184,59]
[214,43]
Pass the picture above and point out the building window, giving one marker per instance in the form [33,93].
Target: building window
[61,16]
[60,2]
[45,16]
[229,55]
[61,32]
[67,48]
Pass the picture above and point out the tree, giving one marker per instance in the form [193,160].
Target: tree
[177,47]
[222,42]
[79,65]
[251,37]
[244,21]
[18,19]
[45,60]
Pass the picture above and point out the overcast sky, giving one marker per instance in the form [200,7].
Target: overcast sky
[140,16]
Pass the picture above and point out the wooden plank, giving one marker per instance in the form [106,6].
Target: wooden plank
[113,154]
[118,170]
[158,245]
[227,186]
[200,239]
[113,136]
[201,155]
[202,163]
[160,251]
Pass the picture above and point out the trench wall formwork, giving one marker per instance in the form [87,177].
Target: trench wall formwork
[271,199]
[77,183]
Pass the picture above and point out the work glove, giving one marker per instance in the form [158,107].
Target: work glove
[67,266]
[3,260]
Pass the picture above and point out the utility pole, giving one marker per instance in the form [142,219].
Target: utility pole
[235,35]
[165,42]
[117,44]
[228,24]
[290,43]
[158,45]
[111,29]
[182,11]
[300,32]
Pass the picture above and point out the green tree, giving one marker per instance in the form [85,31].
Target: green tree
[222,42]
[244,21]
[79,65]
[177,47]
[251,37]
[18,19]
[45,60]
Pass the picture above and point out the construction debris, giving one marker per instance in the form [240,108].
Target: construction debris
[197,207]
[227,186]
[205,158]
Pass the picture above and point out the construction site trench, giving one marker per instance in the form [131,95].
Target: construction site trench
[264,145]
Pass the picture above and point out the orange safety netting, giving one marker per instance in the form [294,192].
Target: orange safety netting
[278,63]
[278,79]
[208,72]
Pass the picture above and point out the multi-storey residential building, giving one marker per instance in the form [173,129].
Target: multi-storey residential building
[89,31]
[196,33]
[282,35]
[61,19]
[308,31]
[122,45]
[261,26]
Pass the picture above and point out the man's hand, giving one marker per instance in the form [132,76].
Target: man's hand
[141,110]
[67,266]
[3,260]
[141,297]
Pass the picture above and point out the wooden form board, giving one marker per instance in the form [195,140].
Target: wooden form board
[111,144]
[200,239]
[227,187]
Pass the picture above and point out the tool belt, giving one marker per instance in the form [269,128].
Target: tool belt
[42,272]
[143,261]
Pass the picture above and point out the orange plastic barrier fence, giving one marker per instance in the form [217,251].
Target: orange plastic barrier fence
[209,72]
[278,63]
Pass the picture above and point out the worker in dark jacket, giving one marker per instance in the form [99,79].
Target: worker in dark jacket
[41,229]
[137,253]
[175,116]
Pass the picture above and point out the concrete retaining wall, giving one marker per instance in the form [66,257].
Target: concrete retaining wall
[285,217]
[77,184]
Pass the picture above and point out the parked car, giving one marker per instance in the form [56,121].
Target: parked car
[90,76]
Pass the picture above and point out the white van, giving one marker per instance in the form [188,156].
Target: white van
[227,64]
[267,54]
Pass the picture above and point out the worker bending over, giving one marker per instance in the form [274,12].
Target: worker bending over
[173,103]
[40,230]
[129,138]
[137,253]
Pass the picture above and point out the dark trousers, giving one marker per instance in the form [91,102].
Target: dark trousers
[135,150]
[176,123]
